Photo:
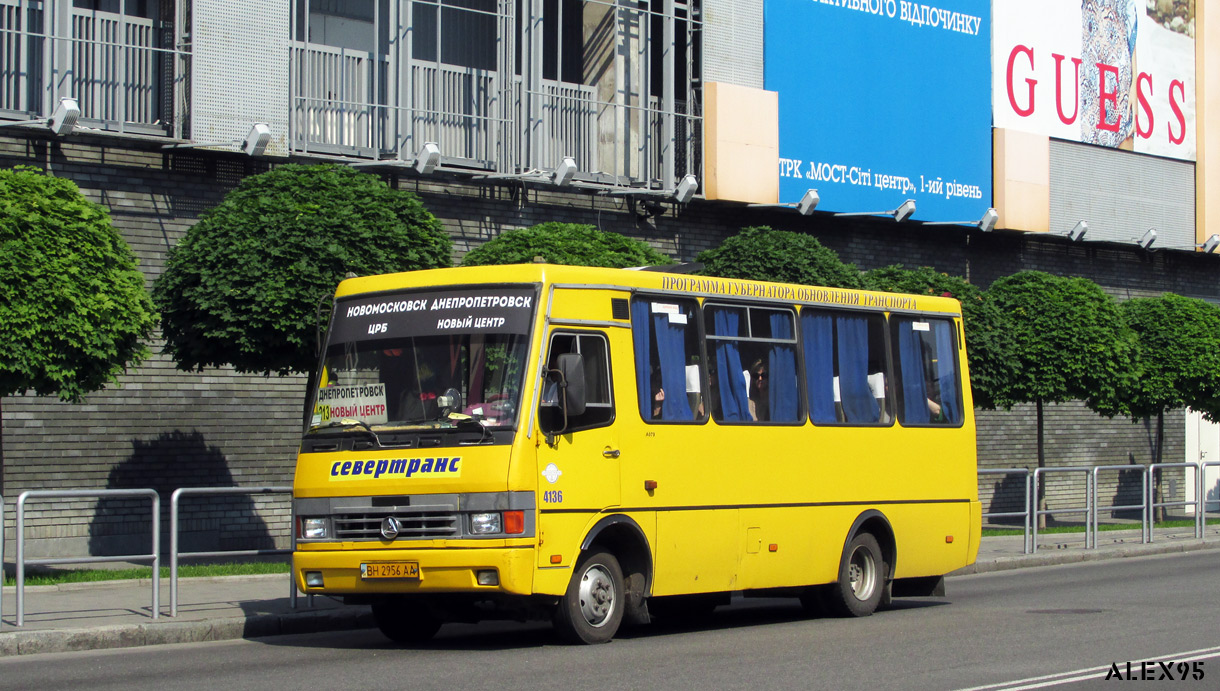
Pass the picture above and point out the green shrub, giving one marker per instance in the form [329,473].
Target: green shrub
[73,307]
[243,286]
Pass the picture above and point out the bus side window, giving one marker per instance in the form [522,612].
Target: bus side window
[670,377]
[753,355]
[845,367]
[928,391]
[599,404]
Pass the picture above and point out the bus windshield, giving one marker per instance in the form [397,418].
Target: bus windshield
[425,360]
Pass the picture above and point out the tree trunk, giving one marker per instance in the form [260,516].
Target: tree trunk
[1041,498]
[1158,444]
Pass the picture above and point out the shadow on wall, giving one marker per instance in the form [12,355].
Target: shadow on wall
[206,523]
[1128,491]
[1007,496]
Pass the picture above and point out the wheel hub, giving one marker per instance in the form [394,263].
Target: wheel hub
[862,574]
[596,596]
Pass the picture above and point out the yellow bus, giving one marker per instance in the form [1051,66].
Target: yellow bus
[603,446]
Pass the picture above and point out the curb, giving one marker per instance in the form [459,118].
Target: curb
[1077,556]
[163,633]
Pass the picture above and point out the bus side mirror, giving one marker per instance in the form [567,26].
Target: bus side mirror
[563,394]
[572,368]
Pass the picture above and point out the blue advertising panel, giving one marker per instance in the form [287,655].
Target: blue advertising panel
[882,101]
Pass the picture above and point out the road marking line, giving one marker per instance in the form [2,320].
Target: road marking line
[1089,672]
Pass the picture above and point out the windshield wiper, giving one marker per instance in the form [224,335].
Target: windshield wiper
[350,422]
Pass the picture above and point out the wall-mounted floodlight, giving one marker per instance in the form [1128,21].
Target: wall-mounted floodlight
[1147,238]
[1210,244]
[255,143]
[564,172]
[686,189]
[990,218]
[257,140]
[904,211]
[62,121]
[1076,234]
[809,202]
[985,224]
[428,158]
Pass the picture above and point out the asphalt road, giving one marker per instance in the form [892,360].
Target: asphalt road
[1053,627]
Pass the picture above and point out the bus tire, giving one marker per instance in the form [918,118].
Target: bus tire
[592,608]
[404,620]
[862,577]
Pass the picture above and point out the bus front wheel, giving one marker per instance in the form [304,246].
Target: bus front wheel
[592,608]
[862,574]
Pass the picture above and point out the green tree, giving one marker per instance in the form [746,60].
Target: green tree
[762,254]
[1069,343]
[74,311]
[988,337]
[573,244]
[1177,342]
[243,286]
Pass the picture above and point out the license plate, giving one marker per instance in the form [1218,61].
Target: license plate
[396,569]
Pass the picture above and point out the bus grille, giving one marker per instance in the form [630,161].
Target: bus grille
[367,526]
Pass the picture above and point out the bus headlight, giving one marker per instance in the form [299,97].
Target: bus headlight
[313,528]
[485,523]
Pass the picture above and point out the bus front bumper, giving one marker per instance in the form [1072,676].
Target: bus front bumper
[348,572]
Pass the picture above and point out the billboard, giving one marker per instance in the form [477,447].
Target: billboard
[1107,72]
[882,101]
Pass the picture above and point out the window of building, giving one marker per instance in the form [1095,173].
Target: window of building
[929,392]
[845,367]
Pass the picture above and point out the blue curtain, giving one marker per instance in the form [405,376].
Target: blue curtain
[671,349]
[910,359]
[734,398]
[949,405]
[781,363]
[819,365]
[854,392]
[641,336]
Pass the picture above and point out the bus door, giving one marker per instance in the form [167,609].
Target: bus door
[578,458]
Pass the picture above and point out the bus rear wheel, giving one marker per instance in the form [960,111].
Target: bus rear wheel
[592,608]
[404,620]
[862,575]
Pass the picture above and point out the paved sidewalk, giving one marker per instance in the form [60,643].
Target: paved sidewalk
[118,614]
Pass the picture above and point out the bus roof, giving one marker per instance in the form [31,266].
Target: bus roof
[650,280]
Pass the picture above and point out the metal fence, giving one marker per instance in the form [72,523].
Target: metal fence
[174,553]
[1092,508]
[154,557]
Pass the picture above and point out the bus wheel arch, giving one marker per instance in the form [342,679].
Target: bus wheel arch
[866,568]
[623,537]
